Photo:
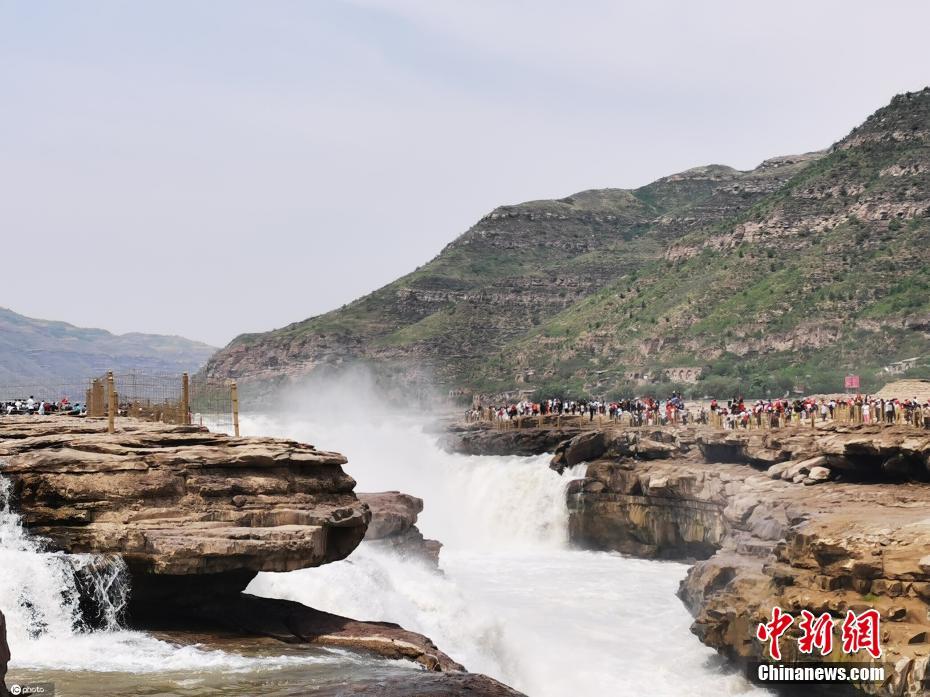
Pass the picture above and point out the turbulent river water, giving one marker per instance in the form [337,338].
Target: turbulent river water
[512,601]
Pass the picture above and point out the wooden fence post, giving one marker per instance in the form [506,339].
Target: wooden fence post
[96,401]
[185,399]
[111,405]
[234,394]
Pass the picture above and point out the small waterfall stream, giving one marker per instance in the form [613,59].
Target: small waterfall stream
[41,592]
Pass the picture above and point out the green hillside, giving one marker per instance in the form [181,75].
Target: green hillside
[789,275]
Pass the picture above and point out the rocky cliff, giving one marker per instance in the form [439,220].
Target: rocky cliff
[824,520]
[712,279]
[196,515]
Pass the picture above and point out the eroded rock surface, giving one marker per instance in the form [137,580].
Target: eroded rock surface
[766,536]
[487,439]
[292,622]
[825,518]
[178,502]
[196,515]
[393,526]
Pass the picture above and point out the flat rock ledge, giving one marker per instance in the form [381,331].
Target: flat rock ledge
[537,435]
[825,519]
[292,622]
[179,500]
[195,516]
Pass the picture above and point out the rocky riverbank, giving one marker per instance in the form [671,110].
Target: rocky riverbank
[825,519]
[196,515]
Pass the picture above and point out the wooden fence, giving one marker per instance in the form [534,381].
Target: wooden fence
[165,398]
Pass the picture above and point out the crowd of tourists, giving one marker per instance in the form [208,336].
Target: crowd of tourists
[864,409]
[644,411]
[31,405]
[735,413]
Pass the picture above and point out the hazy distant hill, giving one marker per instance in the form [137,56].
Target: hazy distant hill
[40,350]
[791,274]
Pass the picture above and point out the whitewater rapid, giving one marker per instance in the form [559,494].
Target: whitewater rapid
[52,641]
[513,600]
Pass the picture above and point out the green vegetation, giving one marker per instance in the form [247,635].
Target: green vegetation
[788,276]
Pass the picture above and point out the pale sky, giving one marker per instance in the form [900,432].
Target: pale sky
[215,167]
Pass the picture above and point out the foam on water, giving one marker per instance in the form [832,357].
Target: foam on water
[514,600]
[40,599]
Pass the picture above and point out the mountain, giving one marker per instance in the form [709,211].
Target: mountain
[35,350]
[714,280]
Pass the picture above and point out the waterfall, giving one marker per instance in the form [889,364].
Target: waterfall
[512,599]
[64,612]
[53,594]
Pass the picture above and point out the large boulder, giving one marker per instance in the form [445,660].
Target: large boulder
[292,622]
[393,526]
[392,513]
[584,447]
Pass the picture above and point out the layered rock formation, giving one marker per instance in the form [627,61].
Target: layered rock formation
[292,622]
[178,502]
[196,515]
[743,503]
[393,526]
[825,519]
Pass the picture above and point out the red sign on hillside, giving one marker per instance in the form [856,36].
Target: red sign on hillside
[852,382]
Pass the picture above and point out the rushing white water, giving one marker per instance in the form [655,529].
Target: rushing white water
[40,590]
[514,601]
[40,596]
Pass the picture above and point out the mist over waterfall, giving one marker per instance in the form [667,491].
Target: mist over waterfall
[513,599]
